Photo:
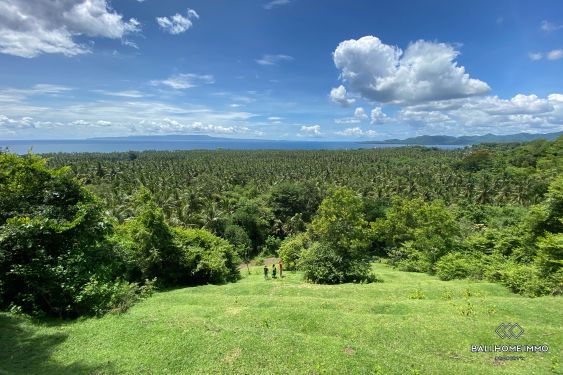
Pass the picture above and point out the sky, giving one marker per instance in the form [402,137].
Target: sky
[279,69]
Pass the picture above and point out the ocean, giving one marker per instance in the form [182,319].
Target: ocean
[120,145]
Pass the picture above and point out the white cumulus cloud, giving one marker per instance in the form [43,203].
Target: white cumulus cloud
[339,95]
[30,28]
[356,132]
[425,71]
[378,116]
[310,131]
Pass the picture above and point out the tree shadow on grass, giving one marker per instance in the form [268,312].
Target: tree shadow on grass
[23,351]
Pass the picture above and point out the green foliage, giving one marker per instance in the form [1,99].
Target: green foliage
[237,236]
[288,199]
[417,294]
[271,246]
[417,233]
[524,279]
[99,297]
[147,245]
[459,266]
[52,238]
[548,216]
[550,260]
[254,219]
[477,160]
[174,256]
[206,258]
[322,263]
[343,239]
[340,222]
[291,248]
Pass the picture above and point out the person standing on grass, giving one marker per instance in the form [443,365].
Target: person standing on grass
[265,272]
[274,271]
[281,268]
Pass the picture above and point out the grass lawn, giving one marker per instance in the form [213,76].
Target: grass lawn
[408,324]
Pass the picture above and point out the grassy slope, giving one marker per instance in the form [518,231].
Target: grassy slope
[287,326]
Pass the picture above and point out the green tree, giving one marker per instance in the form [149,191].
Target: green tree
[147,243]
[340,221]
[342,236]
[52,238]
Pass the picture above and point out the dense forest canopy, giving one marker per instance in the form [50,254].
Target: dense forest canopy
[188,217]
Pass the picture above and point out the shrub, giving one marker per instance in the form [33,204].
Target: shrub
[146,243]
[417,233]
[206,258]
[410,258]
[98,297]
[459,266]
[238,237]
[524,279]
[321,263]
[291,248]
[343,239]
[52,238]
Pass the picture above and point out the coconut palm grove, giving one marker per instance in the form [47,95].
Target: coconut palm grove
[281,187]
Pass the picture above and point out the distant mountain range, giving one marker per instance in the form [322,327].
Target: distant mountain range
[420,140]
[468,139]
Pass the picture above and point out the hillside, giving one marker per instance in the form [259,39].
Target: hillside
[469,140]
[288,326]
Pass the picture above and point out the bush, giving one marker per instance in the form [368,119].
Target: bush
[323,264]
[459,266]
[98,297]
[174,256]
[52,239]
[343,237]
[206,258]
[417,233]
[146,243]
[525,279]
[409,258]
[291,248]
[237,236]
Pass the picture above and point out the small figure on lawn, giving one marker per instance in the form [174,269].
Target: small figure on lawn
[274,271]
[281,268]
[265,272]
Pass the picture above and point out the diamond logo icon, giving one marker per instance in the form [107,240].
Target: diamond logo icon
[509,331]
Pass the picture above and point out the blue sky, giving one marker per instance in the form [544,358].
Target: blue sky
[283,69]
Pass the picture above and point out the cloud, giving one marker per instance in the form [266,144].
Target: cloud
[185,81]
[276,3]
[359,113]
[356,132]
[340,95]
[123,94]
[535,56]
[549,27]
[378,116]
[167,126]
[425,71]
[31,28]
[310,131]
[273,59]
[359,116]
[556,54]
[177,23]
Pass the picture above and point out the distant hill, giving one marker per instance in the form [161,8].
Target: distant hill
[469,139]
